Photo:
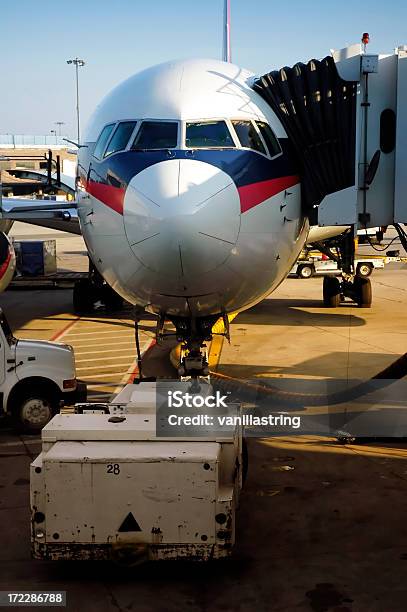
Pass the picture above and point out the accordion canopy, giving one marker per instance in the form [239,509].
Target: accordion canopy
[318,111]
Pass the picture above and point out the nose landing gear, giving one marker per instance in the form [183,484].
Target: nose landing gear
[193,334]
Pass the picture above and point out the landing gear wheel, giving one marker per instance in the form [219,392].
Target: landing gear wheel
[363,292]
[82,296]
[32,409]
[305,271]
[112,300]
[331,291]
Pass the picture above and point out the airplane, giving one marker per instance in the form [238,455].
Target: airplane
[188,197]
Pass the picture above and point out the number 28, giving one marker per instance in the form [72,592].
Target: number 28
[113,468]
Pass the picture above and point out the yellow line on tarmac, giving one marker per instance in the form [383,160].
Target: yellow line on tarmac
[215,352]
[215,349]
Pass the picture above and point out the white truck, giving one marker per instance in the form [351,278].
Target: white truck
[35,378]
[316,265]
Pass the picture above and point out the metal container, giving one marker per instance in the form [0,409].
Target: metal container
[36,257]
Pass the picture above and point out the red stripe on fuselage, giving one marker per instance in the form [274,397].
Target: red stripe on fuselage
[112,196]
[250,195]
[4,267]
[255,193]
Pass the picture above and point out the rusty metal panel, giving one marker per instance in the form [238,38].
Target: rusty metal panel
[165,494]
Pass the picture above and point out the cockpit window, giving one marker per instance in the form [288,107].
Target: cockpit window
[120,138]
[248,136]
[207,134]
[102,140]
[156,135]
[269,138]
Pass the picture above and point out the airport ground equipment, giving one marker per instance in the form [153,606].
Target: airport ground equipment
[317,266]
[60,279]
[35,377]
[36,257]
[106,487]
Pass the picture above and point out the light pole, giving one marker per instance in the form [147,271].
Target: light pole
[55,134]
[77,62]
[59,124]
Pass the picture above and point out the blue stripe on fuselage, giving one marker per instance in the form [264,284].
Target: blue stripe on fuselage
[243,166]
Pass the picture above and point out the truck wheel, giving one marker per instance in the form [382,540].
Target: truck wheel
[82,296]
[33,408]
[364,269]
[305,271]
[331,291]
[363,292]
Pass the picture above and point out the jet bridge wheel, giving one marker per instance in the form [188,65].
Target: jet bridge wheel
[363,291]
[331,291]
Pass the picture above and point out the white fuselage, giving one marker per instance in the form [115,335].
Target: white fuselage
[200,227]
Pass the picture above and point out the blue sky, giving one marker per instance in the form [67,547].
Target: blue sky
[118,38]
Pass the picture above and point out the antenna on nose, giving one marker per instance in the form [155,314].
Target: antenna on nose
[227,54]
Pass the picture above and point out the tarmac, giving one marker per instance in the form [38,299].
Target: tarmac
[321,525]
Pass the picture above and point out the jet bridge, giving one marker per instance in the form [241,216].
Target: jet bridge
[347,119]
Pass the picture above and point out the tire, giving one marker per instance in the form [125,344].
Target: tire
[363,292]
[305,271]
[33,408]
[82,296]
[331,291]
[364,270]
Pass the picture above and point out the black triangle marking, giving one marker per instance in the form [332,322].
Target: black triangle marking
[129,524]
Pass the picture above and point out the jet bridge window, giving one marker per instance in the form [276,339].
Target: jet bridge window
[156,135]
[120,137]
[269,138]
[102,140]
[248,136]
[208,134]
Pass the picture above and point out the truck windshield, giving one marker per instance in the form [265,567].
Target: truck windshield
[6,328]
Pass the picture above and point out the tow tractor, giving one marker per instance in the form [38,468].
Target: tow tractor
[108,486]
[317,264]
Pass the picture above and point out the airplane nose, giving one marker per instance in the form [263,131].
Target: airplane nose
[182,217]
